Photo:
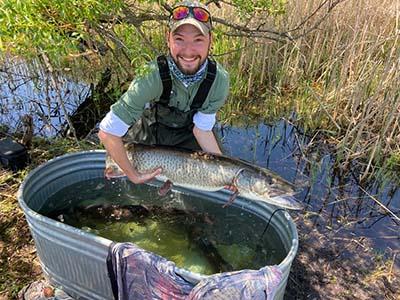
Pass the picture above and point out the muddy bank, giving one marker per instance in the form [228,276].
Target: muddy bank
[327,266]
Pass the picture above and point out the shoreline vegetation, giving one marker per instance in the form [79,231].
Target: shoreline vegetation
[341,80]
[328,67]
[327,265]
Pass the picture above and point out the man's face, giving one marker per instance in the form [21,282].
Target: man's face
[189,48]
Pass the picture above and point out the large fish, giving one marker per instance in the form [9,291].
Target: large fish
[205,171]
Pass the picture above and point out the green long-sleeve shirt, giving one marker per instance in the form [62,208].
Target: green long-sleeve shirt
[148,88]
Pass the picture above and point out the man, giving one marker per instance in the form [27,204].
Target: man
[175,102]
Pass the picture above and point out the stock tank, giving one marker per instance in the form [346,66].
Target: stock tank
[75,260]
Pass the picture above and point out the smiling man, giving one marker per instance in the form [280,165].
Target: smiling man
[176,101]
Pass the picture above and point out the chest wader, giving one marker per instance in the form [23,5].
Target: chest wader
[162,124]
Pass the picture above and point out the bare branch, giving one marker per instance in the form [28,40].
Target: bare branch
[332,5]
[54,81]
[245,31]
[216,2]
[240,30]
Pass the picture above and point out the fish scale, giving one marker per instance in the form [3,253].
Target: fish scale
[205,171]
[177,168]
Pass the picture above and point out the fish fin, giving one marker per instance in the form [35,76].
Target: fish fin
[165,188]
[111,173]
[231,198]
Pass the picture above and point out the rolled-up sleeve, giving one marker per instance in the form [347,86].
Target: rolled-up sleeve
[113,125]
[204,121]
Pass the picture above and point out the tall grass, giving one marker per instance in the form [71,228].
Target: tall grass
[342,78]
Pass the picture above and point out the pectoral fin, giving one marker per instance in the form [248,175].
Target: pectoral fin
[232,198]
[165,188]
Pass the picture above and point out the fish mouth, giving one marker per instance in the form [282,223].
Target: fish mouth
[287,201]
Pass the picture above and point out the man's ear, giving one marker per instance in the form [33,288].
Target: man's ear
[211,43]
[167,34]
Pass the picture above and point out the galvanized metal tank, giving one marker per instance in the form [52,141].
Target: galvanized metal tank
[76,260]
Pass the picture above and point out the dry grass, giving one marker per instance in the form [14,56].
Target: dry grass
[18,263]
[341,78]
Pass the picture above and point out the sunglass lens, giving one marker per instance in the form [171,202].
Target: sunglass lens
[180,12]
[201,14]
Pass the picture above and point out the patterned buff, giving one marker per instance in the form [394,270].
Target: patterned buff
[187,80]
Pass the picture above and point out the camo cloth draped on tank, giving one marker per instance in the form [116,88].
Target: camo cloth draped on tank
[140,274]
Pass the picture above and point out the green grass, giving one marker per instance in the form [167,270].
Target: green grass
[18,263]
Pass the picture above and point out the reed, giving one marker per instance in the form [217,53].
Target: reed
[341,78]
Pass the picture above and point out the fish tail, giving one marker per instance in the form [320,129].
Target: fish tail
[111,173]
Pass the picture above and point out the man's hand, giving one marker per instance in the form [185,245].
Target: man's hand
[146,176]
[116,149]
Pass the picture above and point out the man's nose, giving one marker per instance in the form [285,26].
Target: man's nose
[188,48]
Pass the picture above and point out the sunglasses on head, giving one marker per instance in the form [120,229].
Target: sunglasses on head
[182,12]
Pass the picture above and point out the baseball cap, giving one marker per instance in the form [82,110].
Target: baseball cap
[191,18]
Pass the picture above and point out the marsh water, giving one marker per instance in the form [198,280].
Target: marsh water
[195,233]
[334,203]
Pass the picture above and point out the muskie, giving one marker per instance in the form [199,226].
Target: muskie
[205,171]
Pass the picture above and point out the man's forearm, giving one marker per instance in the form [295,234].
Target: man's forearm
[206,140]
[116,150]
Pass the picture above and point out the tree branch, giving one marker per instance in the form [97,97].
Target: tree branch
[53,79]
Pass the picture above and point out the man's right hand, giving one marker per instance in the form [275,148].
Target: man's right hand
[116,149]
[143,177]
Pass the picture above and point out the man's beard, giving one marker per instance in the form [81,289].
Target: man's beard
[191,71]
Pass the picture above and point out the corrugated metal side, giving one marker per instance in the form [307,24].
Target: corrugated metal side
[76,260]
[71,258]
[281,222]
[72,261]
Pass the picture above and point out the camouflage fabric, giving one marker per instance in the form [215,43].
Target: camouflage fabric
[246,284]
[140,274]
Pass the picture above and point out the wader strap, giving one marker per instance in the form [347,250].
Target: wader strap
[165,78]
[205,86]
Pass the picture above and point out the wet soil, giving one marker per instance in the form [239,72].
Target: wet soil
[327,266]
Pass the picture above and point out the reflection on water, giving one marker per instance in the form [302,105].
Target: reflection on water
[26,91]
[196,233]
[334,202]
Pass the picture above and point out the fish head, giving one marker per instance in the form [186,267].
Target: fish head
[264,184]
[267,187]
